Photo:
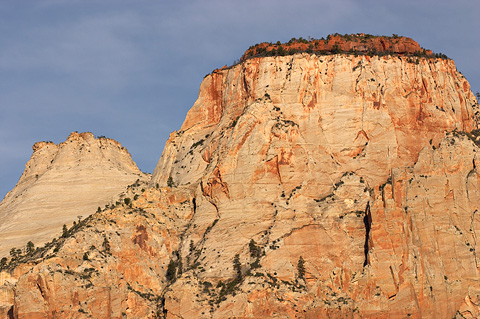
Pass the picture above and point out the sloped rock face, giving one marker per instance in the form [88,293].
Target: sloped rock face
[298,187]
[112,265]
[291,151]
[61,182]
[307,118]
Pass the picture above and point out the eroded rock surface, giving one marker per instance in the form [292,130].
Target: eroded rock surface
[352,43]
[61,182]
[113,264]
[298,187]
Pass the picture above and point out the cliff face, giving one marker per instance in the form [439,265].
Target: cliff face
[298,187]
[294,152]
[354,43]
[61,182]
[312,118]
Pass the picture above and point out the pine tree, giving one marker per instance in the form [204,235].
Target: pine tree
[301,268]
[237,266]
[13,253]
[3,262]
[64,231]
[30,247]
[254,249]
[170,182]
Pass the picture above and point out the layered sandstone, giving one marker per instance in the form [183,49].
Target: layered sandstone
[350,43]
[292,152]
[298,187]
[60,183]
[111,266]
[309,119]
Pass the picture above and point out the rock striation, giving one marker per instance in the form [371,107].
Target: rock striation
[349,43]
[60,183]
[301,186]
[111,265]
[338,112]
[295,151]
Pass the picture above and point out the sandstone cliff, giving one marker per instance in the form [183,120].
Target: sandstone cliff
[350,43]
[61,182]
[301,186]
[308,118]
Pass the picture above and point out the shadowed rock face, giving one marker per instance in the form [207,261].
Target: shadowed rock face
[61,182]
[302,186]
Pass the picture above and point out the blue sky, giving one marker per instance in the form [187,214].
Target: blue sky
[130,70]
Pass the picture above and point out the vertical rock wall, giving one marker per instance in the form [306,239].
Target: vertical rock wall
[299,186]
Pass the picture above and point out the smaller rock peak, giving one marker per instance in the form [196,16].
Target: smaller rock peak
[39,145]
[80,138]
[90,137]
[75,136]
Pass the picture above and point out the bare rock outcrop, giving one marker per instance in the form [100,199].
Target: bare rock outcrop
[60,183]
[359,43]
[316,117]
[111,265]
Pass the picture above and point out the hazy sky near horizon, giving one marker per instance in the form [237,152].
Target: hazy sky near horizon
[130,70]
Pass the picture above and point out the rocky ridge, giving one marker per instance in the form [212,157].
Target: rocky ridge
[363,44]
[299,186]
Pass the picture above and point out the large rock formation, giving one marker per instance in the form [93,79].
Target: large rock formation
[303,186]
[61,182]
